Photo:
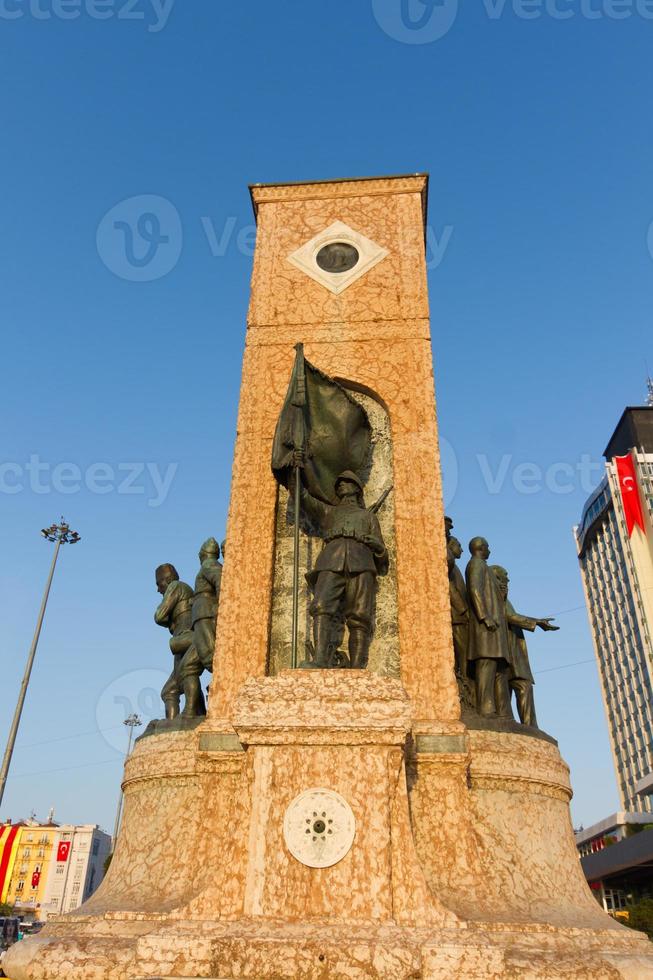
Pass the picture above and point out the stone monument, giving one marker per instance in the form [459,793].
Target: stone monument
[340,823]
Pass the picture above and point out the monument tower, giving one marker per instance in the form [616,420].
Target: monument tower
[339,822]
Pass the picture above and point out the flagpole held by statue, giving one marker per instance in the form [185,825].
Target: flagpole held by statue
[321,445]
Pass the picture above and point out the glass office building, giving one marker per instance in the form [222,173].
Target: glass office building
[617,572]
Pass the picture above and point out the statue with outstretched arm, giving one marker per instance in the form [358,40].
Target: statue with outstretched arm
[521,679]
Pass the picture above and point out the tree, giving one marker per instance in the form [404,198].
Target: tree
[6,909]
[640,916]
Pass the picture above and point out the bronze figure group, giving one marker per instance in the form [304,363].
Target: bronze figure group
[322,443]
[491,656]
[190,616]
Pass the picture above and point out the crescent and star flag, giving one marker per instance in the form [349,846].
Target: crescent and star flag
[36,877]
[63,850]
[629,493]
[8,847]
[321,418]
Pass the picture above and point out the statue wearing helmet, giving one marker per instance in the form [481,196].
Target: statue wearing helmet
[344,576]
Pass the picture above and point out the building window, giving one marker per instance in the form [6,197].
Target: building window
[20,886]
[614,899]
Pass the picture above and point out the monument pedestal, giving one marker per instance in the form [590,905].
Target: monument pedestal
[462,863]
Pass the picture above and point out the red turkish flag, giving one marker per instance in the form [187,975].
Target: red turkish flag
[63,850]
[629,493]
[36,877]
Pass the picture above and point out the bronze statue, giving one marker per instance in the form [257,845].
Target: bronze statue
[322,431]
[344,576]
[199,655]
[448,528]
[175,613]
[459,620]
[489,648]
[520,675]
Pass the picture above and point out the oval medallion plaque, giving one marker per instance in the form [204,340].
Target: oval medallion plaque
[319,828]
[337,257]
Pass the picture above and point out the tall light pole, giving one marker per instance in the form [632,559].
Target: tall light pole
[60,534]
[132,722]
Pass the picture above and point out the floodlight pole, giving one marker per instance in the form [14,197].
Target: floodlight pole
[132,722]
[60,534]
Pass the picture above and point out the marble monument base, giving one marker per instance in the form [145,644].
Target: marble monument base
[462,865]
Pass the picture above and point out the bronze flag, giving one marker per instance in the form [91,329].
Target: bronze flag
[321,418]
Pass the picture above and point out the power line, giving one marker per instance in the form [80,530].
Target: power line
[573,609]
[577,663]
[63,738]
[85,765]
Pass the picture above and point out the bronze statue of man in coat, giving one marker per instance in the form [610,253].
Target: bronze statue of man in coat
[489,648]
[460,618]
[521,678]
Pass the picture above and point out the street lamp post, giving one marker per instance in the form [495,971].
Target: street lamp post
[60,534]
[132,722]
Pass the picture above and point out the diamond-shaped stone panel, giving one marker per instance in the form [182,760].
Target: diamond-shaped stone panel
[369,255]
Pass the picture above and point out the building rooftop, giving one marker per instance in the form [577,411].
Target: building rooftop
[611,823]
[632,852]
[634,431]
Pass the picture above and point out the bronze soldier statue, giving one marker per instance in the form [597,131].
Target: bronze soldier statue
[459,621]
[489,649]
[344,576]
[175,613]
[199,656]
[520,676]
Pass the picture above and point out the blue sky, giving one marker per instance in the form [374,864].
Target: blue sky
[537,135]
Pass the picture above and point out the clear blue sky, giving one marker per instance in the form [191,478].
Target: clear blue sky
[537,134]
